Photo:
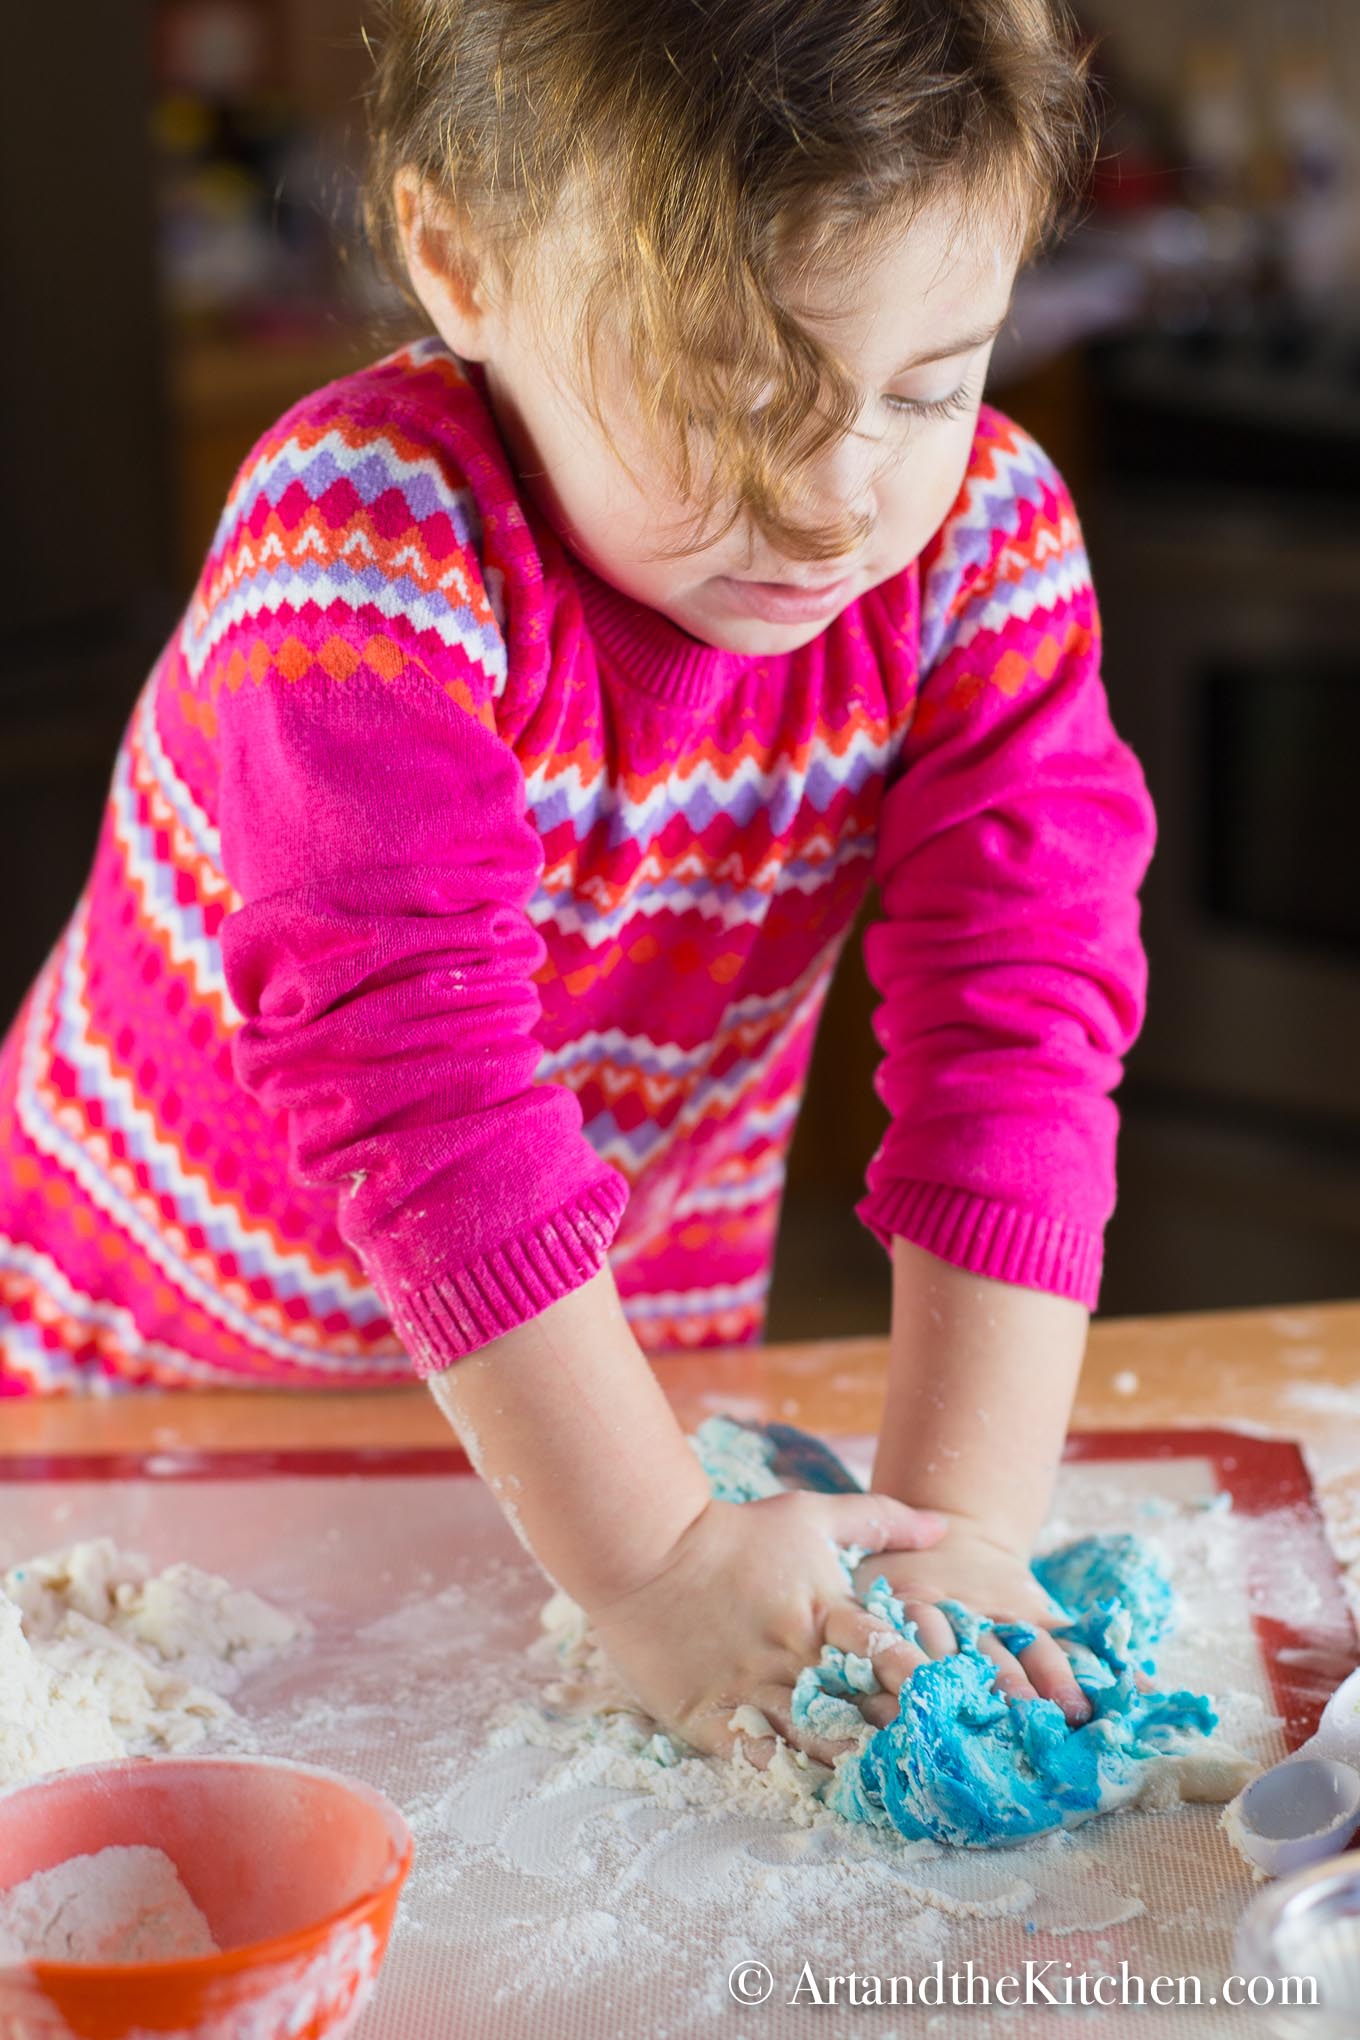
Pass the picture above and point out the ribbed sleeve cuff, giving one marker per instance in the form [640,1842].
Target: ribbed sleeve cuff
[449,1318]
[988,1237]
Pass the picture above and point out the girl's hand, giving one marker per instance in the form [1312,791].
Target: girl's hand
[991,1579]
[746,1597]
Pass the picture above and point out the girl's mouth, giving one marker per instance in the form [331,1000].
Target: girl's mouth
[783,602]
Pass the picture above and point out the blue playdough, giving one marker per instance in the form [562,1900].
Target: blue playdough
[962,1763]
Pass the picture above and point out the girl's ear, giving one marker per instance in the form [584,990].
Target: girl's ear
[441,261]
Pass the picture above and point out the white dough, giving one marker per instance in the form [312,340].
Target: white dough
[100,1658]
[119,1905]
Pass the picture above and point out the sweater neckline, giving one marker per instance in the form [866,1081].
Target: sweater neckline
[647,650]
[650,652]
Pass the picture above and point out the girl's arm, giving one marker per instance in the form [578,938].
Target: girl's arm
[981,1377]
[374,826]
[382,962]
[1012,845]
[702,1605]
[565,1421]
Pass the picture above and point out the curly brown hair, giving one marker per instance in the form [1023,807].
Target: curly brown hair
[720,149]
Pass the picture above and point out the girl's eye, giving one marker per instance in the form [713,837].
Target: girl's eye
[951,406]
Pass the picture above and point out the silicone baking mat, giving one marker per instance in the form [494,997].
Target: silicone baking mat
[550,1901]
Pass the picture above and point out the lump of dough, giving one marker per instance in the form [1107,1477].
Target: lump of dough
[100,1658]
[214,1632]
[962,1763]
[965,1764]
[47,1722]
[1111,1568]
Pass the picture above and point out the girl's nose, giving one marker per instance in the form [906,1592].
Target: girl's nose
[842,482]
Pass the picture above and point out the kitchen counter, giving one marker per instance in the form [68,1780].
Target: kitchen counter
[1292,1372]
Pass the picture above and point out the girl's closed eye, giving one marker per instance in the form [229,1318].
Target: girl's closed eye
[953,406]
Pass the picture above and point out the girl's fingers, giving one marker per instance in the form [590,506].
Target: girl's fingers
[892,1657]
[880,1709]
[776,1704]
[934,1634]
[882,1523]
[1050,1673]
[1011,1675]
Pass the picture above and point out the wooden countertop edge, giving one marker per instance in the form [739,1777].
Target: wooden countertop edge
[1286,1370]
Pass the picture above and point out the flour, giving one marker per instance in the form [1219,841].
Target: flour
[103,1658]
[564,1791]
[1323,1399]
[528,1838]
[119,1905]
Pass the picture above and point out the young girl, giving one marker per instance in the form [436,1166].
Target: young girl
[482,845]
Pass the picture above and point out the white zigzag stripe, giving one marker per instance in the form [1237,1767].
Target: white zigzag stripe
[1027,463]
[23,1349]
[255,597]
[89,1310]
[458,502]
[1053,592]
[769,1121]
[204,833]
[613,1044]
[118,1092]
[690,1302]
[199,953]
[746,1077]
[599,798]
[53,1140]
[757,1189]
[560,911]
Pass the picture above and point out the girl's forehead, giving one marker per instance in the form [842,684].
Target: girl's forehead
[926,283]
[916,285]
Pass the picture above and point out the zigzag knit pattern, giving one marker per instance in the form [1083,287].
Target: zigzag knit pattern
[708,828]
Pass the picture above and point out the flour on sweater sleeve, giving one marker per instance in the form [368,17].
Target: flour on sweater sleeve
[1014,838]
[373,823]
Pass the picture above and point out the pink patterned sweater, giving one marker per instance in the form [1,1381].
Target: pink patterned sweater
[456,922]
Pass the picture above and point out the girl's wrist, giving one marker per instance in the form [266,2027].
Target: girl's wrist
[637,1560]
[567,1424]
[1004,1533]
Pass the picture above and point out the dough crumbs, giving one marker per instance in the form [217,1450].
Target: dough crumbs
[101,1657]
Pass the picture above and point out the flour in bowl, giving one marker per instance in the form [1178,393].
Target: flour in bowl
[118,1905]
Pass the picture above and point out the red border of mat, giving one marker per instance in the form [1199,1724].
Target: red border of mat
[1261,1475]
[1305,1662]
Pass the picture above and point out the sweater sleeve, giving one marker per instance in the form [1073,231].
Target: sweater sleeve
[374,825]
[1014,837]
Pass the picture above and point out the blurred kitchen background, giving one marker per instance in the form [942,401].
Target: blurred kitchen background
[182,258]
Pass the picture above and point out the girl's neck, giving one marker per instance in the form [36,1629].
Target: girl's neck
[645,648]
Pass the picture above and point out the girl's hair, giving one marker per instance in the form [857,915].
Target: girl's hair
[716,150]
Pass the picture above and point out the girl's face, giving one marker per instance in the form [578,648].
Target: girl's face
[914,328]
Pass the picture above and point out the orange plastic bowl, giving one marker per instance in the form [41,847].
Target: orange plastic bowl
[296,1870]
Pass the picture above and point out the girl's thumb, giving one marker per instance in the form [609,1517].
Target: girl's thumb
[882,1523]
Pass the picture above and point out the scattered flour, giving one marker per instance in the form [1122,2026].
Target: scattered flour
[1322,1399]
[101,1658]
[557,1865]
[568,1787]
[119,1905]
